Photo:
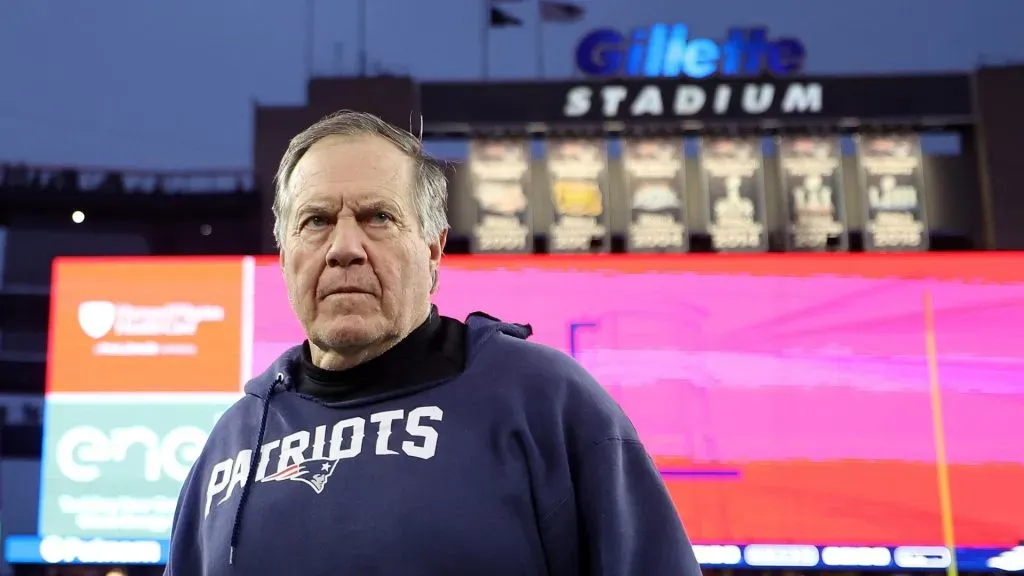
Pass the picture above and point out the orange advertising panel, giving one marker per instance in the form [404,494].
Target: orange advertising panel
[146,325]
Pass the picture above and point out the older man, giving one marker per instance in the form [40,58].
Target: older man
[395,441]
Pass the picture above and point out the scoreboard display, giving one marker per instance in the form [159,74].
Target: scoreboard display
[805,410]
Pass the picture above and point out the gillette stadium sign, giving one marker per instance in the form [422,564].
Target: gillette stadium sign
[665,71]
[670,51]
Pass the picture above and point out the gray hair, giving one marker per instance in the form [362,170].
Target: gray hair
[430,186]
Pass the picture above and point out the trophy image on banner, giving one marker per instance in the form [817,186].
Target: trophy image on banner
[734,194]
[811,173]
[576,170]
[654,184]
[892,186]
[500,169]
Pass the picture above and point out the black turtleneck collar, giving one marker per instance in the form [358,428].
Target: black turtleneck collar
[435,351]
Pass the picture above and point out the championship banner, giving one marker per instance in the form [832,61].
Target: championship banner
[812,191]
[892,185]
[500,170]
[654,185]
[577,170]
[734,194]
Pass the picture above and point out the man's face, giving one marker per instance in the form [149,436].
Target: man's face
[357,268]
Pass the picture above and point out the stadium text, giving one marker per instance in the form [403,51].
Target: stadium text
[664,50]
[619,101]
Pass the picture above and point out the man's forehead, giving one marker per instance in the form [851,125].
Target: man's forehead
[353,157]
[358,168]
[331,200]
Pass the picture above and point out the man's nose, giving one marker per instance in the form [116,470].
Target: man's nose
[346,248]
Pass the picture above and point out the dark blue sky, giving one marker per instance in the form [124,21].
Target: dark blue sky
[171,84]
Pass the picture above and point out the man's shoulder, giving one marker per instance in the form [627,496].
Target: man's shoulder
[540,369]
[526,357]
[240,416]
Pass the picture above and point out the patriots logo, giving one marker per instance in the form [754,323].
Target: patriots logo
[313,473]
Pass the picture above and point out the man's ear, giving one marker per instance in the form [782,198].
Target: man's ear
[436,251]
[437,248]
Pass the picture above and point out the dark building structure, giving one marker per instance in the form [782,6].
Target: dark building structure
[972,202]
[972,198]
[122,213]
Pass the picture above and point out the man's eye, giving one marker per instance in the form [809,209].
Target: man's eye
[314,222]
[381,218]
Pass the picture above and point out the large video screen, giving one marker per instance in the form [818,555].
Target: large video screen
[805,410]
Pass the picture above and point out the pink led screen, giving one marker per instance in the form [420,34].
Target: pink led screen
[786,398]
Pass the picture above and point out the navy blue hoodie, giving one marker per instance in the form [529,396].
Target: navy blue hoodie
[522,465]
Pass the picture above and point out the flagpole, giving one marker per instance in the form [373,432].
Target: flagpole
[540,38]
[361,19]
[310,33]
[485,43]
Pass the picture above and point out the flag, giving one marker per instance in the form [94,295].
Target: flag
[502,19]
[564,12]
[495,17]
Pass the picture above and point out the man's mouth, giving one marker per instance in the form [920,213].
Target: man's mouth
[345,292]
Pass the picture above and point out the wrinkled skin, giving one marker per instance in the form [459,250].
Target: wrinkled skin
[358,270]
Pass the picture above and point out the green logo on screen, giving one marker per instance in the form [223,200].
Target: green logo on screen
[82,451]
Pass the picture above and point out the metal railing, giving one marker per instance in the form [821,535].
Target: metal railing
[128,181]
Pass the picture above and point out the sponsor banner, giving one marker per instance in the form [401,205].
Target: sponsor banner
[448,104]
[734,194]
[113,468]
[150,326]
[892,187]
[24,549]
[812,191]
[655,191]
[500,170]
[577,171]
